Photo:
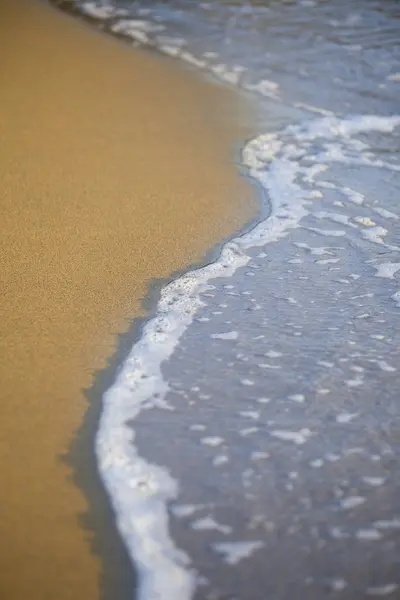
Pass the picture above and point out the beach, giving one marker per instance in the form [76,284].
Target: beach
[273,473]
[117,168]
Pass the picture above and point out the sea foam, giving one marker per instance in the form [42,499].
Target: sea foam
[140,492]
[280,162]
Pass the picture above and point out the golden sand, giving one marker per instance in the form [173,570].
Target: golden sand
[114,170]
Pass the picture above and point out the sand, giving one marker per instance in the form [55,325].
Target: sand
[115,169]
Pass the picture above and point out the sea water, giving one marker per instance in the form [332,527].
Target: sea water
[250,444]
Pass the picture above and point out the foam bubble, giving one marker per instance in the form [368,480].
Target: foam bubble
[209,523]
[234,552]
[212,441]
[229,335]
[351,502]
[369,535]
[387,270]
[382,590]
[297,437]
[92,9]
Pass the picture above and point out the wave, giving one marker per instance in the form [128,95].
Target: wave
[140,491]
[288,165]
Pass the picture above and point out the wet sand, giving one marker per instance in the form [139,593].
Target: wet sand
[115,169]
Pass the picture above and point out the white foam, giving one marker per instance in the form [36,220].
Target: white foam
[263,400]
[388,524]
[248,431]
[92,9]
[387,270]
[382,590]
[396,298]
[297,437]
[225,73]
[197,427]
[132,29]
[352,383]
[170,49]
[368,535]
[185,510]
[209,523]
[327,232]
[365,221]
[191,59]
[299,398]
[234,552]
[140,492]
[314,109]
[250,414]
[376,235]
[335,127]
[212,441]
[335,217]
[220,459]
[131,26]
[351,502]
[382,364]
[229,335]
[295,261]
[258,455]
[318,251]
[373,481]
[338,584]
[273,354]
[338,534]
[327,261]
[387,214]
[266,88]
[346,417]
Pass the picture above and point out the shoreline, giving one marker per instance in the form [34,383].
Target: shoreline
[67,317]
[118,577]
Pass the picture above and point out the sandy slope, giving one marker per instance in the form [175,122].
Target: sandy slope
[114,169]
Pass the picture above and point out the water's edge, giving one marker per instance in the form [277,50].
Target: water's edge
[118,577]
[139,491]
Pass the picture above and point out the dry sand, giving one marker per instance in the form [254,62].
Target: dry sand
[114,170]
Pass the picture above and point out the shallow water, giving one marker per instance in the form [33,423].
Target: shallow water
[263,397]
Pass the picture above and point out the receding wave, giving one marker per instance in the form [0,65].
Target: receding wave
[140,491]
[292,163]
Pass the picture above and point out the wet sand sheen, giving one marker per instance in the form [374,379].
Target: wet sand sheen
[114,170]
